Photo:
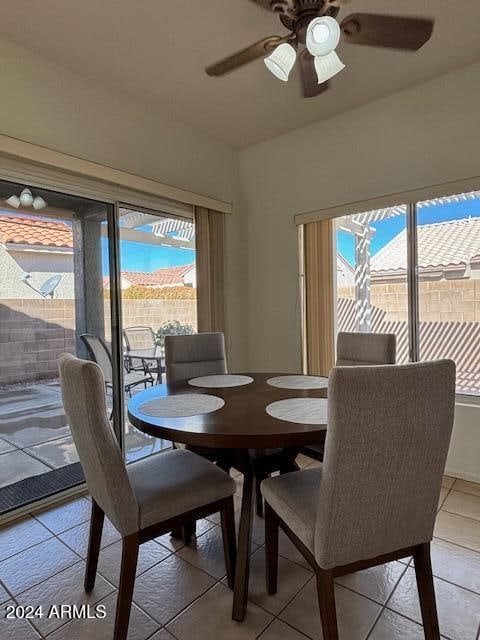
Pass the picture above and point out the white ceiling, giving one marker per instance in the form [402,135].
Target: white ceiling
[156,51]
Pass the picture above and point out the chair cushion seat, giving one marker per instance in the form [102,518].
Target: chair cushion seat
[174,482]
[294,498]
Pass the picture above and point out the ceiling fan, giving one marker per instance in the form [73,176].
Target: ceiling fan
[314,36]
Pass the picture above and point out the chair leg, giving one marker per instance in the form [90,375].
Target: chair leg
[259,477]
[326,602]
[189,531]
[227,519]
[426,591]
[96,528]
[127,582]
[271,549]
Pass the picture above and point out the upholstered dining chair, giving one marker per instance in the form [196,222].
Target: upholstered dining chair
[354,349]
[359,349]
[375,498]
[203,354]
[144,499]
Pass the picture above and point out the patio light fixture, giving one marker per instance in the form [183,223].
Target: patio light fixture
[27,200]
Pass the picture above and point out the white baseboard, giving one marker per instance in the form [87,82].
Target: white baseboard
[470,477]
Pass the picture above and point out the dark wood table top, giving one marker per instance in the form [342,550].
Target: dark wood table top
[242,423]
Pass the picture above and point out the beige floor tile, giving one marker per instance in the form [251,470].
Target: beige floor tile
[206,553]
[170,543]
[448,481]
[458,529]
[21,534]
[279,630]
[28,568]
[458,609]
[4,595]
[303,461]
[237,505]
[140,628]
[77,537]
[291,578]
[66,515]
[467,487]
[15,629]
[456,564]
[202,526]
[163,634]
[65,587]
[376,583]
[167,588]
[392,626]
[211,617]
[150,554]
[239,482]
[258,528]
[463,504]
[443,494]
[355,614]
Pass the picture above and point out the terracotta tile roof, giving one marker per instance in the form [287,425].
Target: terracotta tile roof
[34,231]
[160,277]
[440,245]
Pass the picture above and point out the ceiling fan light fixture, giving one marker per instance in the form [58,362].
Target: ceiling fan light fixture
[13,201]
[280,62]
[323,36]
[328,66]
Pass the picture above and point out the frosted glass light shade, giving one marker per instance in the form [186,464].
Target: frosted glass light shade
[328,66]
[13,201]
[323,36]
[26,198]
[280,62]
[39,203]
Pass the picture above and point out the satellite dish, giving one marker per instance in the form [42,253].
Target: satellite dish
[49,286]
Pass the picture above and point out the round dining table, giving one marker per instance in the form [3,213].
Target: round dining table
[248,411]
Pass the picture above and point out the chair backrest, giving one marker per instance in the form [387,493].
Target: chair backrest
[83,393]
[139,338]
[189,356]
[389,430]
[99,353]
[354,349]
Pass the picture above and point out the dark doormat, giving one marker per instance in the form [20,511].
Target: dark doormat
[35,488]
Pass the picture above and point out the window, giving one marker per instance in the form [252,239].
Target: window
[414,270]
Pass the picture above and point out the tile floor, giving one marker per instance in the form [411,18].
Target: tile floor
[180,591]
[35,437]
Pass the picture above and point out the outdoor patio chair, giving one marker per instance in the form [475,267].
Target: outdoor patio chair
[145,499]
[100,353]
[203,354]
[359,349]
[137,339]
[375,498]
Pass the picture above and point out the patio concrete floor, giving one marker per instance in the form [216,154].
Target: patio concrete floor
[35,437]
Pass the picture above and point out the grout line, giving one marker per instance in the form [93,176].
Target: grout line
[455,513]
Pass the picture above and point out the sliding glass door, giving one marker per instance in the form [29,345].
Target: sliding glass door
[415,271]
[54,257]
[158,297]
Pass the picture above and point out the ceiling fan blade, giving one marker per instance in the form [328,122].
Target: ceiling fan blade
[279,6]
[310,85]
[395,32]
[238,59]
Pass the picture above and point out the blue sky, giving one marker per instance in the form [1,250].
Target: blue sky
[388,229]
[136,256]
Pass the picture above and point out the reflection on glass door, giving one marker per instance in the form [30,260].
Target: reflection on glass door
[448,238]
[372,282]
[52,253]
[158,298]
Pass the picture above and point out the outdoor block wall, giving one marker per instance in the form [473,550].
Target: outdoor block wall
[442,300]
[33,333]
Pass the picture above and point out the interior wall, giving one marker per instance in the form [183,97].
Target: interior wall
[44,104]
[423,136]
